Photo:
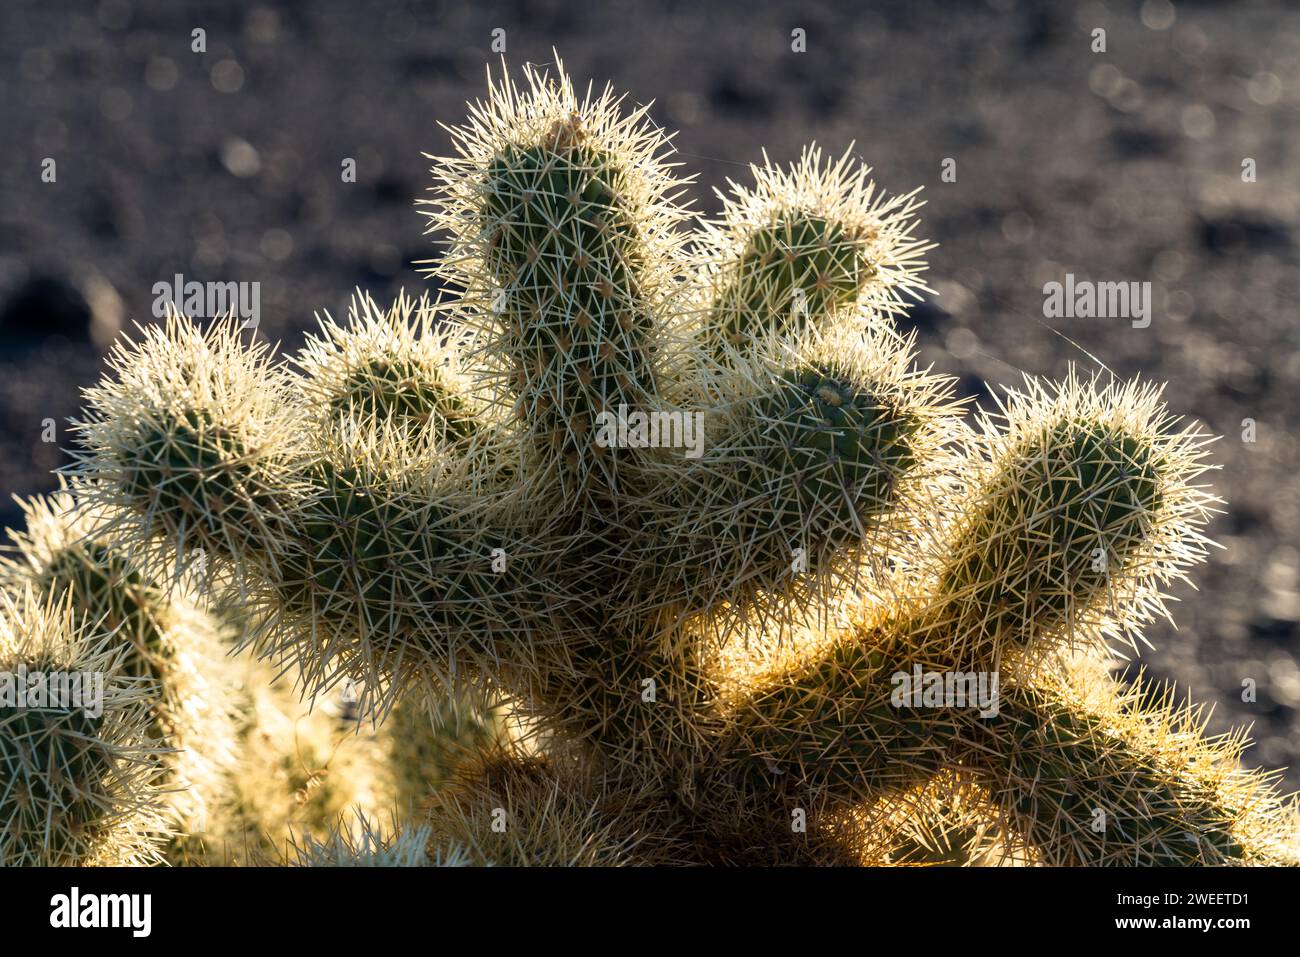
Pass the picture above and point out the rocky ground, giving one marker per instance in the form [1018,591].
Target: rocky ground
[1117,166]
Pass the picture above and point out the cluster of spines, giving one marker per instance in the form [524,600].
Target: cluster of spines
[195,438]
[319,775]
[362,842]
[516,810]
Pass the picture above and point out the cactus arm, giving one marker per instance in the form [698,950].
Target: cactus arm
[814,465]
[1086,507]
[802,246]
[167,643]
[1088,779]
[79,780]
[563,233]
[1018,576]
[196,441]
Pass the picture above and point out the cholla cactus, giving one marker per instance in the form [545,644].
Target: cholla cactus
[687,506]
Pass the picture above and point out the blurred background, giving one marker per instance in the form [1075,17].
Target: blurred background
[1123,165]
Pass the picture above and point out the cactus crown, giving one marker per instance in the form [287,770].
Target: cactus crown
[683,504]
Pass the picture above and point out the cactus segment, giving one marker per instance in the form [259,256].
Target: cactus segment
[805,246]
[812,465]
[1087,507]
[1087,774]
[197,436]
[563,233]
[80,778]
[391,369]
